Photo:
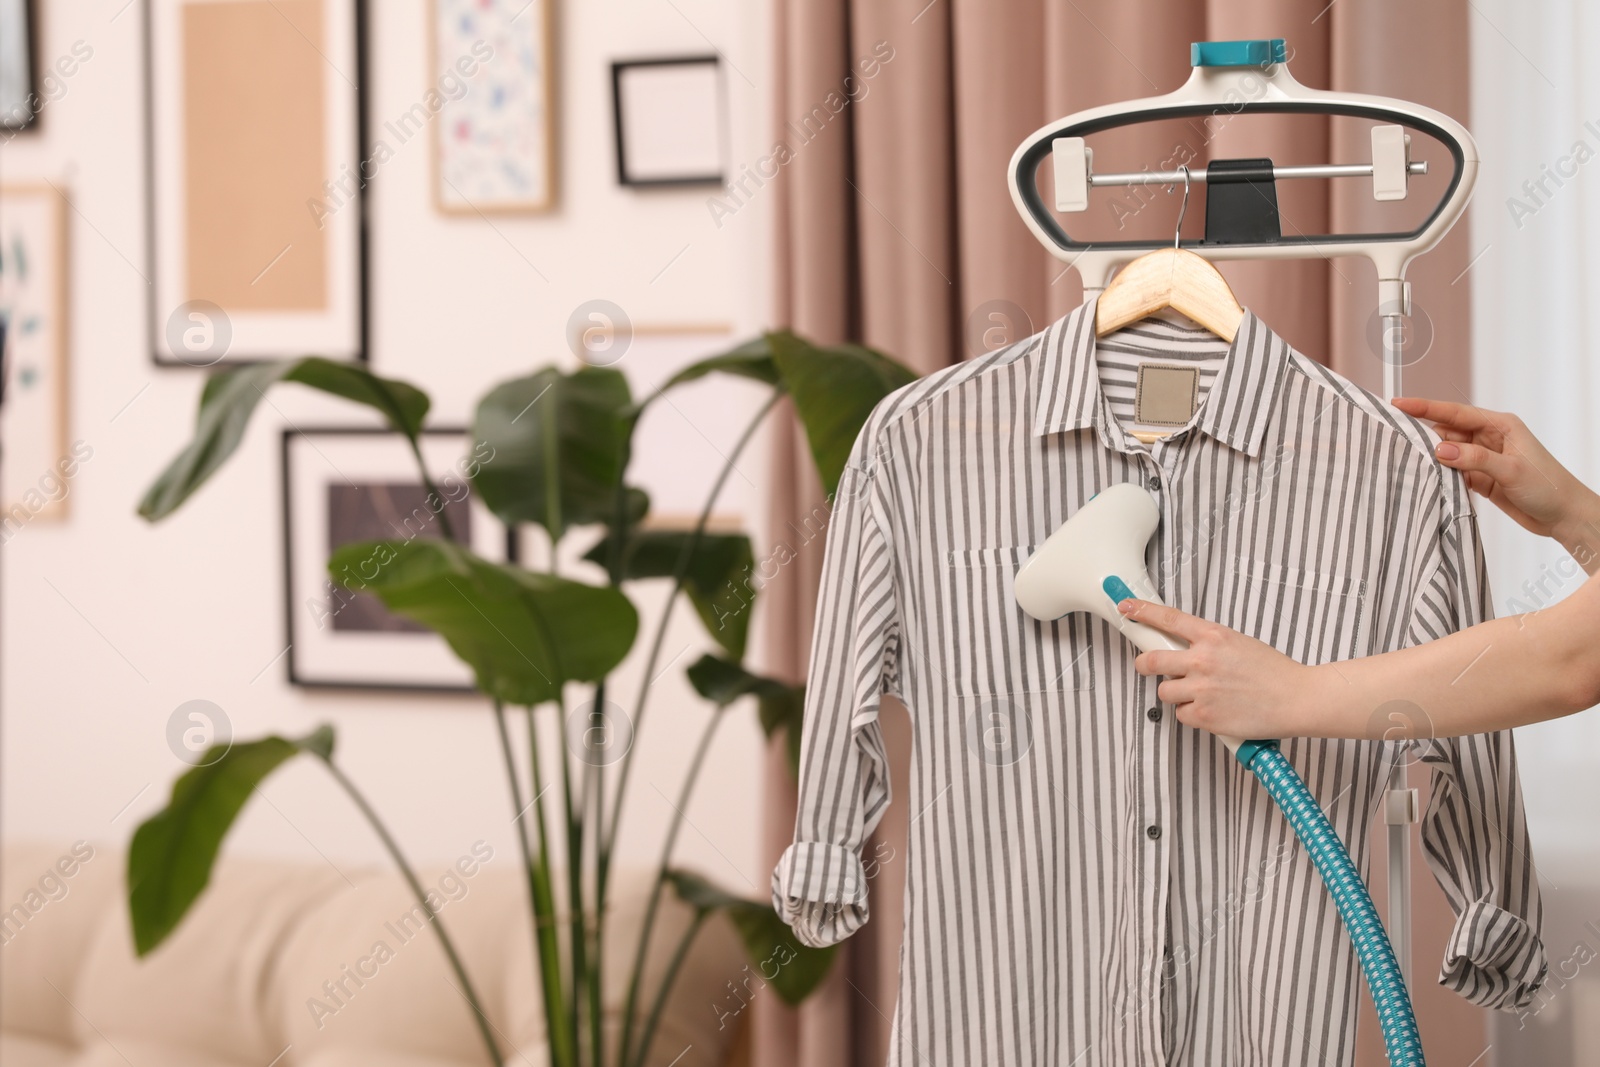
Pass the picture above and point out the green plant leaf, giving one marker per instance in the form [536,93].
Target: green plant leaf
[781,706]
[173,851]
[715,578]
[834,390]
[791,968]
[752,359]
[560,446]
[523,634]
[231,396]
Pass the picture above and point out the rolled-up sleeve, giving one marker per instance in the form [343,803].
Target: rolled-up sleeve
[819,886]
[1493,958]
[1475,833]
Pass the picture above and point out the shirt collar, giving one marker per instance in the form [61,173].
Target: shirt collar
[1235,411]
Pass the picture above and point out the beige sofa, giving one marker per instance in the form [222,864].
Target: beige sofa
[310,966]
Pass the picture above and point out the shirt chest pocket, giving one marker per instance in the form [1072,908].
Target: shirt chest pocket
[994,648]
[1310,616]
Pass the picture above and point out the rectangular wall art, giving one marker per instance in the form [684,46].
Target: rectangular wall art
[671,121]
[19,96]
[495,134]
[255,141]
[355,484]
[34,458]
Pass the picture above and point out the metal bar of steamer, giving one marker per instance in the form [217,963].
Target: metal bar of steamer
[1198,174]
[1399,787]
[1400,872]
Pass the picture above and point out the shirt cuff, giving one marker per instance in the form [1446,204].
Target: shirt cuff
[820,891]
[1494,958]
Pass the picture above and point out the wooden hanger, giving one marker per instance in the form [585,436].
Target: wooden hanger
[1170,278]
[1173,278]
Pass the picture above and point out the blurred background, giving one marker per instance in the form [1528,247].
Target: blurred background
[455,193]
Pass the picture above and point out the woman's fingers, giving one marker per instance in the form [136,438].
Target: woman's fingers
[1175,691]
[1468,457]
[1480,483]
[1162,663]
[1173,621]
[1448,413]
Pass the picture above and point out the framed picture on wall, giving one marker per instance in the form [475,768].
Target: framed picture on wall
[671,121]
[19,58]
[256,166]
[344,485]
[494,137]
[34,455]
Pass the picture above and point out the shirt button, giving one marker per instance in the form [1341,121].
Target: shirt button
[1154,714]
[1152,832]
[1154,484]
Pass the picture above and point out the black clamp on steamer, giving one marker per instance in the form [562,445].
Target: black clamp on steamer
[1241,203]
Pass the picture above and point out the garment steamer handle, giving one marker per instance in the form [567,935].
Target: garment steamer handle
[1149,639]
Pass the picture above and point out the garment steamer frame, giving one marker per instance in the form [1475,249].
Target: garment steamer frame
[1230,78]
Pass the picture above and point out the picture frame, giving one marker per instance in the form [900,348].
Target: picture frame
[494,138]
[670,120]
[257,159]
[35,324]
[342,484]
[19,65]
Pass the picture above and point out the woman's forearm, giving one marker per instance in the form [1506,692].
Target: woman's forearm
[1500,674]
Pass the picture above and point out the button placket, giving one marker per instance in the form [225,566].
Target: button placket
[1159,751]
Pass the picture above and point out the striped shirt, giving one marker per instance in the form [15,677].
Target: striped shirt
[1090,882]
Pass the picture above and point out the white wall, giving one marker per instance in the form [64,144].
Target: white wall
[108,624]
[1536,96]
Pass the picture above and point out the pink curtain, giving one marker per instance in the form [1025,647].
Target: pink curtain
[895,228]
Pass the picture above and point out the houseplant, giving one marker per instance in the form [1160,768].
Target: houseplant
[555,448]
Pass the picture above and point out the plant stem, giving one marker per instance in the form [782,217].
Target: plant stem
[563,1043]
[578,934]
[546,990]
[552,484]
[636,979]
[594,790]
[449,947]
[433,490]
[610,836]
[678,956]
[594,772]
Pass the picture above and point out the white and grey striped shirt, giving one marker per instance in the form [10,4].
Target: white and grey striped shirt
[1090,882]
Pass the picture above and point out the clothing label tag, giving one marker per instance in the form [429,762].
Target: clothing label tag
[1166,395]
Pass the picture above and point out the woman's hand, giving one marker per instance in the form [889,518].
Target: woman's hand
[1505,462]
[1224,682]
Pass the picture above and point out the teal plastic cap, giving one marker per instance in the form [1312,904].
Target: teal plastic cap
[1238,53]
[1249,750]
